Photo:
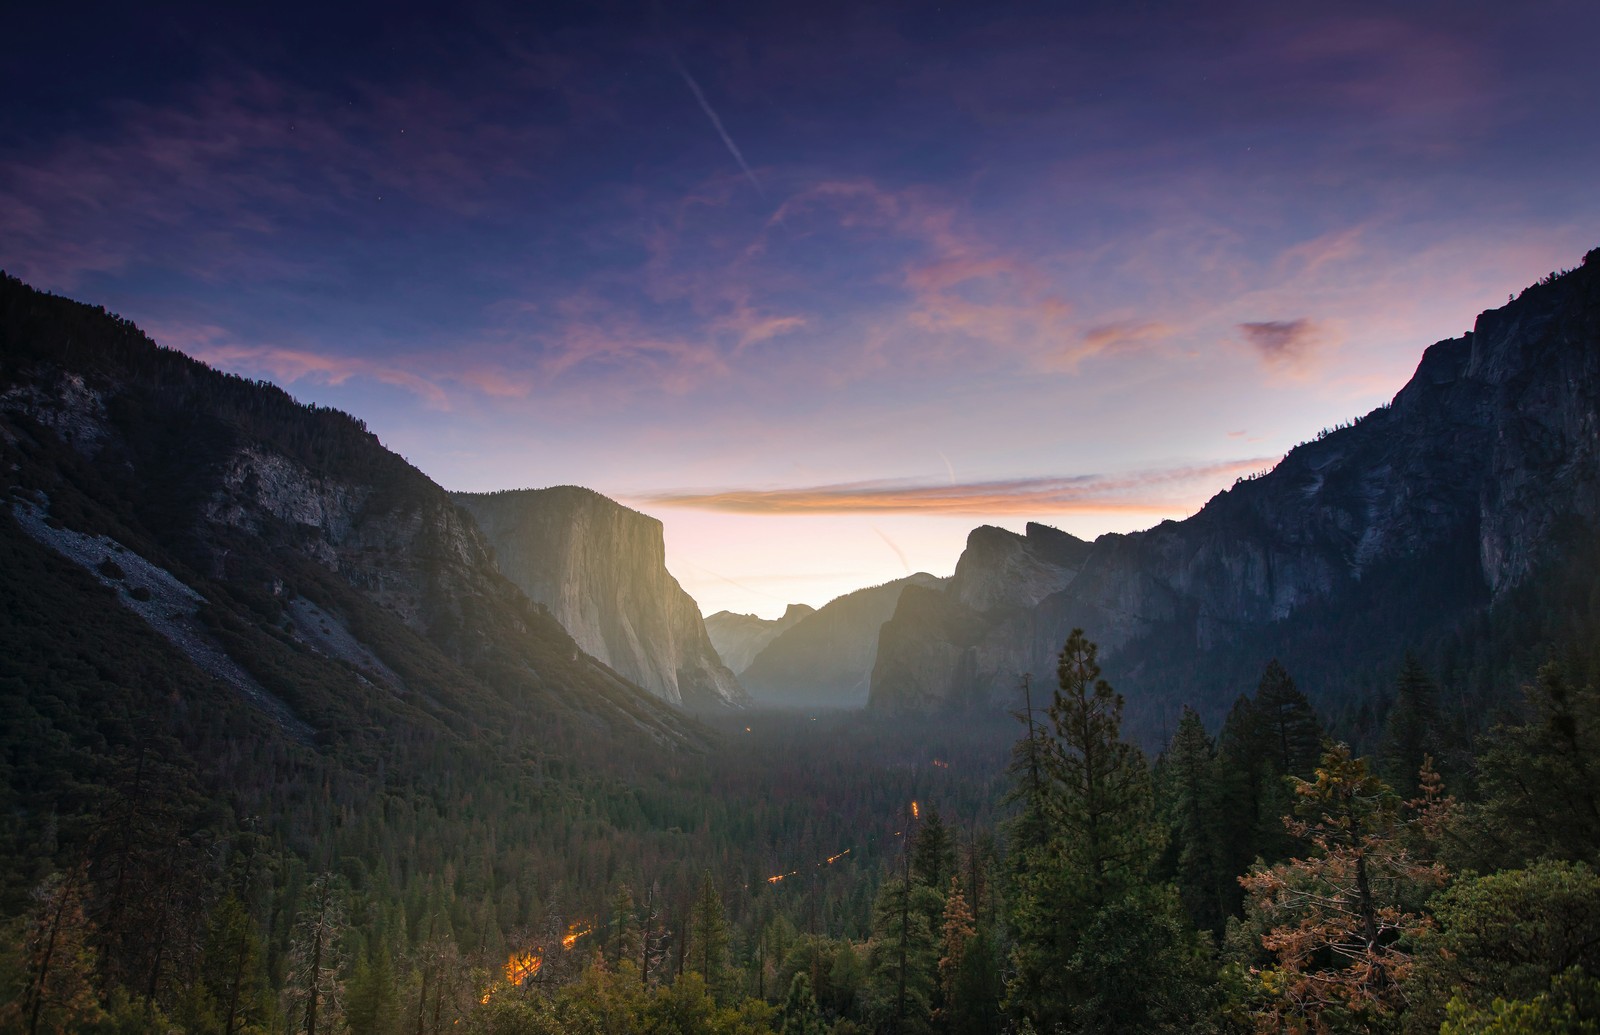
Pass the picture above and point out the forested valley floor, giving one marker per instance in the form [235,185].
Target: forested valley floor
[825,873]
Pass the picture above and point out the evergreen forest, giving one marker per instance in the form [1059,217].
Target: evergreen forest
[840,874]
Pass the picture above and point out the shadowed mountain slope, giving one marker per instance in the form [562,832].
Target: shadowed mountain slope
[1409,529]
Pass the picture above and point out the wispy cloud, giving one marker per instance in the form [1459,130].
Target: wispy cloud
[1151,491]
[1118,336]
[288,366]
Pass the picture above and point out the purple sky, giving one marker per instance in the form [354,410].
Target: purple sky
[822,288]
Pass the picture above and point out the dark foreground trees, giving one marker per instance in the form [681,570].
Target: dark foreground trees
[1085,910]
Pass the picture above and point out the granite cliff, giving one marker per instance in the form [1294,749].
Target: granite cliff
[1396,532]
[600,568]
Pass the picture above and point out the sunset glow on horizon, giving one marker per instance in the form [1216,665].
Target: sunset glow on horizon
[821,288]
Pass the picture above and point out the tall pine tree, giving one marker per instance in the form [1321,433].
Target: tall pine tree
[1087,895]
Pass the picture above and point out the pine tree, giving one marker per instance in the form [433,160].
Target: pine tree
[800,1014]
[957,932]
[1264,741]
[708,940]
[1186,774]
[903,956]
[232,966]
[1411,730]
[1338,919]
[1289,724]
[1088,895]
[1540,781]
[315,958]
[624,937]
[59,963]
[934,855]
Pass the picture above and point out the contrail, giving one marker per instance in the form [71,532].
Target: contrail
[897,551]
[705,106]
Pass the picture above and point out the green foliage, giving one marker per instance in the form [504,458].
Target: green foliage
[903,957]
[1570,1007]
[1505,937]
[1540,780]
[1190,787]
[800,1014]
[1411,732]
[1087,895]
[708,941]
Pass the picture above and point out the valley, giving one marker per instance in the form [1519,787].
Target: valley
[289,728]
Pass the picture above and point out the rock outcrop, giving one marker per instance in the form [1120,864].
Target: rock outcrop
[272,513]
[825,660]
[739,638]
[1379,536]
[600,568]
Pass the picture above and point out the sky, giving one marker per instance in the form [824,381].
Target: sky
[822,287]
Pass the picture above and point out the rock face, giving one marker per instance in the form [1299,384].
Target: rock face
[1393,530]
[825,660]
[272,513]
[739,638]
[601,570]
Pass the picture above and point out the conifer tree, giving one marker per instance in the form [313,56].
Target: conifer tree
[59,963]
[1339,919]
[1264,741]
[1540,781]
[314,987]
[231,966]
[933,857]
[800,1014]
[1186,773]
[1410,732]
[1289,724]
[1087,895]
[708,940]
[957,932]
[904,956]
[624,937]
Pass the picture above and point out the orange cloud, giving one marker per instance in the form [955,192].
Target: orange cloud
[1162,491]
[1120,336]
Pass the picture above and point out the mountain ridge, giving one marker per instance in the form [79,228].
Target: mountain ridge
[1474,467]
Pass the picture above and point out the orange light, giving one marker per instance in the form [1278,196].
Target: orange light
[914,812]
[574,932]
[522,966]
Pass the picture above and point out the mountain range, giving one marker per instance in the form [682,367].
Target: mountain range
[1446,523]
[328,586]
